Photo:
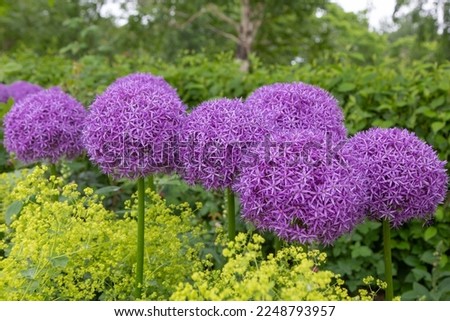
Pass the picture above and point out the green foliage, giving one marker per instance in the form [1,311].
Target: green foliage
[291,274]
[72,27]
[74,249]
[283,30]
[420,255]
[422,30]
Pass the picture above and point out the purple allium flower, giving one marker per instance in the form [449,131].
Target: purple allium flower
[287,106]
[45,126]
[131,128]
[302,189]
[20,89]
[219,133]
[4,93]
[405,177]
[144,78]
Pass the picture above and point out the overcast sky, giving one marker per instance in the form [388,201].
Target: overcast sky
[379,9]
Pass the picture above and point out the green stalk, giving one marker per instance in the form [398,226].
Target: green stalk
[231,214]
[389,292]
[140,238]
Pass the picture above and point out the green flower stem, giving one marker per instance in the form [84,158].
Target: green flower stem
[231,214]
[388,260]
[140,238]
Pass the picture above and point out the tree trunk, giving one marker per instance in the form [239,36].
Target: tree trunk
[248,28]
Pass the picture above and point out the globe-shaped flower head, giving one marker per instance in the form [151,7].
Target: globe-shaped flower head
[405,177]
[20,89]
[219,133]
[144,77]
[302,190]
[131,128]
[45,126]
[4,93]
[292,106]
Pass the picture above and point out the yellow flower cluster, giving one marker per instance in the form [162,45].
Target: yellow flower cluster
[291,274]
[8,181]
[64,245]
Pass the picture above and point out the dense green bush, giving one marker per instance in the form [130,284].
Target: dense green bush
[420,253]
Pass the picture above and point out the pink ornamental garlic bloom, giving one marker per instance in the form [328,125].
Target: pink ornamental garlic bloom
[20,89]
[405,177]
[132,127]
[218,135]
[139,77]
[4,93]
[45,126]
[298,106]
[302,189]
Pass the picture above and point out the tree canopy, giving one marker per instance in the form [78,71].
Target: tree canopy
[275,31]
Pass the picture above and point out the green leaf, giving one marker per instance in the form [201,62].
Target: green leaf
[383,123]
[444,85]
[421,274]
[412,260]
[443,261]
[439,213]
[428,257]
[437,102]
[346,267]
[361,251]
[420,290]
[59,261]
[345,87]
[357,56]
[401,245]
[5,107]
[13,210]
[409,296]
[437,126]
[107,190]
[444,286]
[29,273]
[10,68]
[430,233]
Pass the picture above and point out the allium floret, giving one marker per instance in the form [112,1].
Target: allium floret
[217,136]
[45,126]
[302,189]
[292,106]
[4,93]
[141,78]
[132,128]
[20,89]
[406,179]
